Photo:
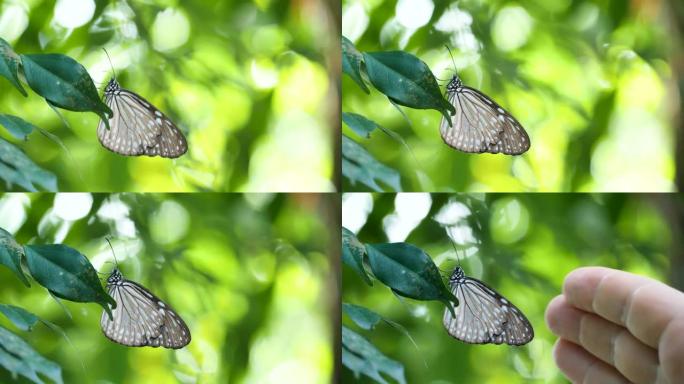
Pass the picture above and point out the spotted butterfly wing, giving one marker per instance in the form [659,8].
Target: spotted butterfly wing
[141,318]
[138,127]
[483,316]
[480,124]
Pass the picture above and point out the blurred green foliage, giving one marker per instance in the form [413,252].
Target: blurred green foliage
[245,80]
[522,245]
[250,275]
[589,80]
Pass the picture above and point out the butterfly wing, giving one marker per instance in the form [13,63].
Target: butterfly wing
[484,316]
[142,319]
[481,125]
[138,128]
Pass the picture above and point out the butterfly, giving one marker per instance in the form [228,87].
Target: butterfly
[483,315]
[138,127]
[480,124]
[141,318]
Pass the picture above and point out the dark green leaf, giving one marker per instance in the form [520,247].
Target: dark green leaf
[16,126]
[363,317]
[408,271]
[351,63]
[66,273]
[20,317]
[9,65]
[406,80]
[63,82]
[17,168]
[362,126]
[362,357]
[11,254]
[353,252]
[19,358]
[360,166]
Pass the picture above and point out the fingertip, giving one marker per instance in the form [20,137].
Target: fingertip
[580,285]
[552,312]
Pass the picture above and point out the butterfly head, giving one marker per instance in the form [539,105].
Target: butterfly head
[115,277]
[456,275]
[455,84]
[112,86]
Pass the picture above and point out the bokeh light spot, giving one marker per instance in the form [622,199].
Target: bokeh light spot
[74,13]
[170,30]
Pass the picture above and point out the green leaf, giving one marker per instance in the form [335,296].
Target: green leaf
[17,168]
[9,65]
[11,254]
[367,319]
[20,317]
[63,82]
[359,124]
[406,80]
[408,271]
[362,357]
[351,63]
[19,358]
[363,317]
[363,127]
[352,254]
[360,166]
[16,126]
[66,273]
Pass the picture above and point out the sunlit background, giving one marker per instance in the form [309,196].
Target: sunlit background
[249,274]
[523,245]
[593,83]
[247,82]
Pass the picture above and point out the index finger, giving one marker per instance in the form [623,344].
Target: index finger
[644,306]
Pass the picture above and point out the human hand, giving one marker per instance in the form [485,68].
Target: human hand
[617,327]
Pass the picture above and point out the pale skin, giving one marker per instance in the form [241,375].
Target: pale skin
[617,327]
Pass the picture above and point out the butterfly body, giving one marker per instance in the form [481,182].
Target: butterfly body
[137,127]
[483,315]
[480,124]
[141,318]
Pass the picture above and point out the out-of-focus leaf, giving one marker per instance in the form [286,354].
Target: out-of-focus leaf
[359,124]
[363,127]
[406,80]
[9,65]
[362,357]
[351,63]
[20,317]
[408,271]
[17,126]
[19,358]
[63,82]
[367,319]
[10,255]
[363,317]
[17,169]
[360,166]
[353,252]
[66,273]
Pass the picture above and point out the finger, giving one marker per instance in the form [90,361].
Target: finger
[563,319]
[605,340]
[672,351]
[644,306]
[581,367]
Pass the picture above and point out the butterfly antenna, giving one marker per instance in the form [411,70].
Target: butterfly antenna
[110,62]
[112,248]
[452,56]
[458,259]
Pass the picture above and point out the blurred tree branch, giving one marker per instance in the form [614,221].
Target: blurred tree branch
[677,60]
